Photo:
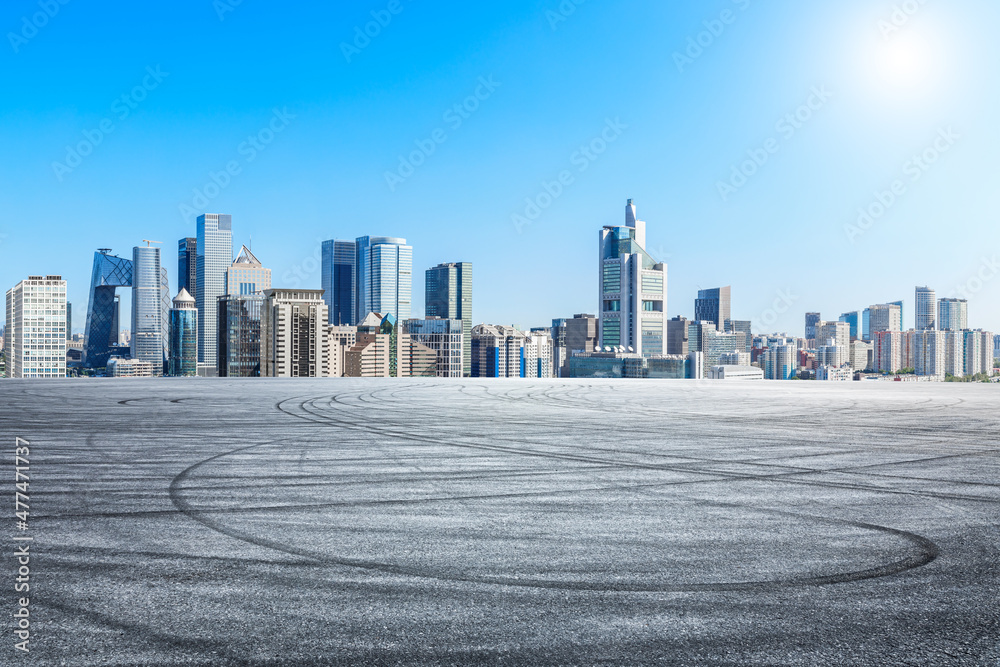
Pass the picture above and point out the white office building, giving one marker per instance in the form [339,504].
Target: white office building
[632,288]
[36,328]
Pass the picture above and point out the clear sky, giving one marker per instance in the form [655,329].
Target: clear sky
[667,97]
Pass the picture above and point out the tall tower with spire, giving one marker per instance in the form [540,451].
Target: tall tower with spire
[632,288]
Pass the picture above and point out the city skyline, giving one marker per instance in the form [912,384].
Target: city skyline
[326,143]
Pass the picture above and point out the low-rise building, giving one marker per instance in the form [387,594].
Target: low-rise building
[129,368]
[736,372]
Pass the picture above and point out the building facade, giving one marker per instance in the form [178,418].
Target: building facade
[215,256]
[714,305]
[246,275]
[953,315]
[103,310]
[239,349]
[446,338]
[885,317]
[781,362]
[338,275]
[632,288]
[384,276]
[35,335]
[448,295]
[926,303]
[187,265]
[812,319]
[293,335]
[183,341]
[150,309]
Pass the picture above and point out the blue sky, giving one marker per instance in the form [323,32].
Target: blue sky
[203,80]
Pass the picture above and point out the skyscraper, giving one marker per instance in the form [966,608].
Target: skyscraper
[953,314]
[187,265]
[183,336]
[384,277]
[632,289]
[149,317]
[215,255]
[247,275]
[713,305]
[885,317]
[293,334]
[855,320]
[101,332]
[339,265]
[448,295]
[926,300]
[239,335]
[812,319]
[35,336]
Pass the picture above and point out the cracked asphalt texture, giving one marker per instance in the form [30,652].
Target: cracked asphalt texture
[343,521]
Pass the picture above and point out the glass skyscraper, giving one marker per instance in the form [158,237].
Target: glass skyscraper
[239,335]
[183,336]
[448,295]
[101,331]
[339,281]
[713,305]
[215,255]
[384,277]
[187,265]
[149,295]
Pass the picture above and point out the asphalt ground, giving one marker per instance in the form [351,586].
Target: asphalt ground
[342,521]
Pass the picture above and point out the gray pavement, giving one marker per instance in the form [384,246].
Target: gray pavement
[340,521]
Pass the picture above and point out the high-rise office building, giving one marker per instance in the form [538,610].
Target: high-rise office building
[187,265]
[215,255]
[677,335]
[713,305]
[239,335]
[742,326]
[69,320]
[339,281]
[837,332]
[926,300]
[246,275]
[293,335]
[446,338]
[102,327]
[150,328]
[780,362]
[854,320]
[183,336]
[953,314]
[632,288]
[448,295]
[717,344]
[885,317]
[812,319]
[384,277]
[35,335]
